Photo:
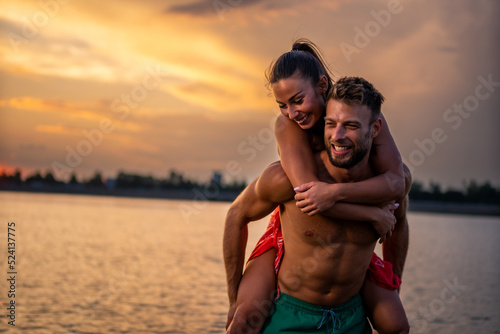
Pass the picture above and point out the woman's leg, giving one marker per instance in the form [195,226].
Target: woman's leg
[384,308]
[255,295]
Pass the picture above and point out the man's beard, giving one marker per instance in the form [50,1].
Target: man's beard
[356,155]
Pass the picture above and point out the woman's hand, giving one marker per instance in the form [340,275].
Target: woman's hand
[385,221]
[314,197]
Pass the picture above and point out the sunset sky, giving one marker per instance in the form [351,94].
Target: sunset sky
[150,86]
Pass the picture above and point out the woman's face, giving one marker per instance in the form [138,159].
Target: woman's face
[301,101]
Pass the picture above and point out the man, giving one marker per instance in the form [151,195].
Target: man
[326,259]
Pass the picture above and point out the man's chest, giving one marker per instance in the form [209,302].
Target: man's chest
[321,230]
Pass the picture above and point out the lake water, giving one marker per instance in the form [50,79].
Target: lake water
[88,264]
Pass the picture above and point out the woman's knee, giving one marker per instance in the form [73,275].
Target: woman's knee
[395,326]
[248,319]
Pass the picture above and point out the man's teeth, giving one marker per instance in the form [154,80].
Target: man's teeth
[341,148]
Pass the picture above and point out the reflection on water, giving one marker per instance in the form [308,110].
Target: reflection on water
[452,276]
[118,265]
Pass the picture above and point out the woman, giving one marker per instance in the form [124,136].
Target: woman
[300,83]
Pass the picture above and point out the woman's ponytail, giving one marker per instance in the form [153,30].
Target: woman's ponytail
[304,57]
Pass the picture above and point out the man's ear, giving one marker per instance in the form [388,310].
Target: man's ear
[376,126]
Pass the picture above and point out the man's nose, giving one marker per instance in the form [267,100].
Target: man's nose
[338,133]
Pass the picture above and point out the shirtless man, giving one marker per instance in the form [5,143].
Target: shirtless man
[325,262]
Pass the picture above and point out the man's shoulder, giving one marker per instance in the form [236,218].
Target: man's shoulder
[273,184]
[408,179]
[400,213]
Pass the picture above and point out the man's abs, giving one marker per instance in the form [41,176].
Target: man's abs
[325,261]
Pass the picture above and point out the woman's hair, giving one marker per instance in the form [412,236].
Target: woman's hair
[306,58]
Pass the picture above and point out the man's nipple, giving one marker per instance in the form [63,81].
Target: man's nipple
[309,233]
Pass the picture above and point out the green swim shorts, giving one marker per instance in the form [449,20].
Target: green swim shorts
[292,315]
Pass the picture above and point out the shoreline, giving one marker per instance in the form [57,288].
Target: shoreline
[477,209]
[481,209]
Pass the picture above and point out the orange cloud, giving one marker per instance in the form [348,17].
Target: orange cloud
[76,111]
[57,129]
[26,103]
[73,110]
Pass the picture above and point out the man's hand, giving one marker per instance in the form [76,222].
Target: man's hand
[315,197]
[385,221]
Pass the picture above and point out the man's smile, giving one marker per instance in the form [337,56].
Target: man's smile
[341,149]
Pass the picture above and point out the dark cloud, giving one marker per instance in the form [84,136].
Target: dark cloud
[31,147]
[22,35]
[209,7]
[31,32]
[8,25]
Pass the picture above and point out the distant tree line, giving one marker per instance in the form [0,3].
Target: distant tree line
[124,180]
[472,192]
[47,179]
[175,180]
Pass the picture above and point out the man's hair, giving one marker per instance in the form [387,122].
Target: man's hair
[356,90]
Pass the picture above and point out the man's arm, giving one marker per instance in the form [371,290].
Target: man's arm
[255,202]
[395,248]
